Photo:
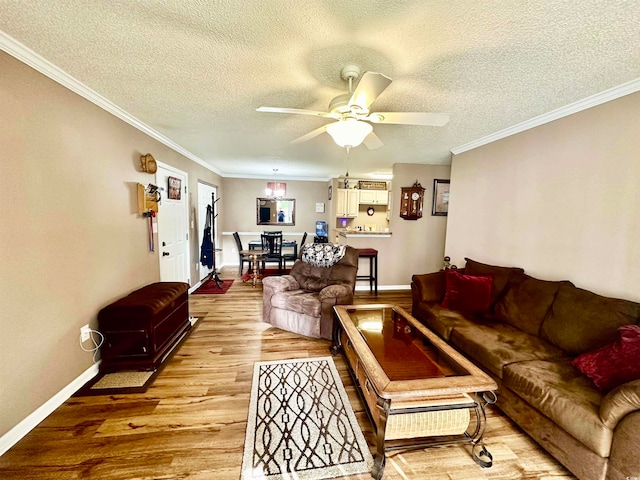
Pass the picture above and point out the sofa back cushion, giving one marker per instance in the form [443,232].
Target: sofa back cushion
[313,279]
[579,320]
[501,275]
[525,302]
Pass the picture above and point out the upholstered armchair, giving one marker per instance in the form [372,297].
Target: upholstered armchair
[302,302]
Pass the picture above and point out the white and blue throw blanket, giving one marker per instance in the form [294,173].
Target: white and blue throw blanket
[323,254]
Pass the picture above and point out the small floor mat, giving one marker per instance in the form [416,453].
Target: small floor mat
[124,381]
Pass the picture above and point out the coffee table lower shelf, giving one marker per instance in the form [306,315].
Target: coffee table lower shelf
[418,424]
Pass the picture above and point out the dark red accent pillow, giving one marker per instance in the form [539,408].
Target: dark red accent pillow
[467,293]
[615,363]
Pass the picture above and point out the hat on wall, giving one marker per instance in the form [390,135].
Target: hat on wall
[148,163]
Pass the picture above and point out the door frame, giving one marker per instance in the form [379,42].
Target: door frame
[201,212]
[164,192]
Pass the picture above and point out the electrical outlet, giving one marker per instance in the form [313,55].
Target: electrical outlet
[85,333]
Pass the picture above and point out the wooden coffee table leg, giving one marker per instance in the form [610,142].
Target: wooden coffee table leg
[380,459]
[336,346]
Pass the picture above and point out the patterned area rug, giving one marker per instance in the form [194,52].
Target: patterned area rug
[301,424]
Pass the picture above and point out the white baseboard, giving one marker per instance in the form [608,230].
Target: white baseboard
[382,287]
[14,435]
[195,287]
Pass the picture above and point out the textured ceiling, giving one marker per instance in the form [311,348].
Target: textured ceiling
[196,70]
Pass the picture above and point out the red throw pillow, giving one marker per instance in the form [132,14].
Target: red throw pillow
[467,293]
[615,363]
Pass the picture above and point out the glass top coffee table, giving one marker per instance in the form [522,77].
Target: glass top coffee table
[418,390]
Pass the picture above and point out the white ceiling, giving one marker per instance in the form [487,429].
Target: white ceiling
[195,71]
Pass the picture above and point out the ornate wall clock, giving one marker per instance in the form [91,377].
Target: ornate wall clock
[411,202]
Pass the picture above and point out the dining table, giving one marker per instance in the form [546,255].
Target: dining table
[255,255]
[257,244]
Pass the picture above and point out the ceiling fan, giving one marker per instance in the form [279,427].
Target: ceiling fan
[353,117]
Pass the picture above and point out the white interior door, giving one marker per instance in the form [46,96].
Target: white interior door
[173,225]
[205,192]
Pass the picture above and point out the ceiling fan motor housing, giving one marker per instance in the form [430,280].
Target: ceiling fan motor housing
[340,104]
[350,72]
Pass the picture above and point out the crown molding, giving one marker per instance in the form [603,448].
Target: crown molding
[592,101]
[281,178]
[35,61]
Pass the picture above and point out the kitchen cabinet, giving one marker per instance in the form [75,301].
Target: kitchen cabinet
[346,203]
[374,197]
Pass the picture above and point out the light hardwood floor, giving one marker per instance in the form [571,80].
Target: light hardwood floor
[191,422]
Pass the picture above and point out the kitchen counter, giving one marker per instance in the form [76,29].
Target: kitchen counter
[356,233]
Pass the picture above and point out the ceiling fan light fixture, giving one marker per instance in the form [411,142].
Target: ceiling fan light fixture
[349,132]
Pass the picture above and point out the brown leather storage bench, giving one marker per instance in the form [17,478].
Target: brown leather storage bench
[141,329]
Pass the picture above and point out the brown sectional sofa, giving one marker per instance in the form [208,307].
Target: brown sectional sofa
[526,340]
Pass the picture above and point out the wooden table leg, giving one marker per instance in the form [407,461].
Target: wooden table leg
[254,277]
[380,459]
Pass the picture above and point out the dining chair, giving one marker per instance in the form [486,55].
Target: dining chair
[286,257]
[242,258]
[272,243]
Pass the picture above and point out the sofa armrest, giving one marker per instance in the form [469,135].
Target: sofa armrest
[427,287]
[282,283]
[329,296]
[619,402]
[336,294]
[624,461]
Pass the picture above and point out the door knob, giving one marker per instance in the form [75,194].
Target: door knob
[165,254]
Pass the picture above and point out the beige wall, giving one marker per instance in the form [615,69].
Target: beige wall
[70,236]
[417,246]
[239,211]
[561,200]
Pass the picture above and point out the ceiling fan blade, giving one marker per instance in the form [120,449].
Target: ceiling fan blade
[372,141]
[298,111]
[310,135]
[370,86]
[410,118]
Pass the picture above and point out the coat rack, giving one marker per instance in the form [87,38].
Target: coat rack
[208,248]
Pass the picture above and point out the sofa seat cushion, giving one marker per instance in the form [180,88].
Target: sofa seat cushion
[299,301]
[441,320]
[564,395]
[495,345]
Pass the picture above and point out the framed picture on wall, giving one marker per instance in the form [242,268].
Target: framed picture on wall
[175,188]
[440,197]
